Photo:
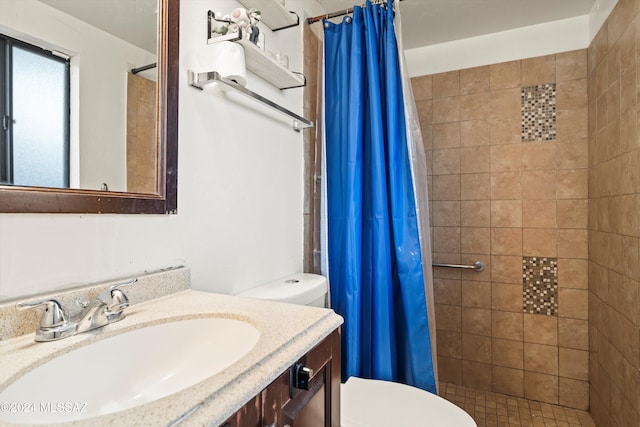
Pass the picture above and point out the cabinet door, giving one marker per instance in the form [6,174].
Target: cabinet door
[283,404]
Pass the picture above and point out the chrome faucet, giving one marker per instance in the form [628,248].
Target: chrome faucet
[107,308]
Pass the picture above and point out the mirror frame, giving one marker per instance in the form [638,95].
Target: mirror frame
[17,199]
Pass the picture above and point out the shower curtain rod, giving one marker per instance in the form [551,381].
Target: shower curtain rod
[337,13]
[143,68]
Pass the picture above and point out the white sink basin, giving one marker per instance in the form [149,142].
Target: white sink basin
[127,370]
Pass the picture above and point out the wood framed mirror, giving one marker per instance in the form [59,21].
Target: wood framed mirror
[33,199]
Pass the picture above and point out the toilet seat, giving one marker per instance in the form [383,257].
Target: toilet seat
[375,403]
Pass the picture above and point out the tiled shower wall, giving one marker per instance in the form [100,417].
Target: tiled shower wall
[614,219]
[312,60]
[507,156]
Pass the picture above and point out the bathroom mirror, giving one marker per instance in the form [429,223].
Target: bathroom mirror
[158,197]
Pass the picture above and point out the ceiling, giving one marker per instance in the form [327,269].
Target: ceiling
[429,22]
[424,22]
[131,20]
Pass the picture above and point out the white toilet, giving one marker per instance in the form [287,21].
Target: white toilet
[364,402]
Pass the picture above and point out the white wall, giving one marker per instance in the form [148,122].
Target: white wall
[240,192]
[520,43]
[99,65]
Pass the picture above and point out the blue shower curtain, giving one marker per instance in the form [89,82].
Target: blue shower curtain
[374,255]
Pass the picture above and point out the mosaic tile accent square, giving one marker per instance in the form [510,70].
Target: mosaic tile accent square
[540,285]
[539,112]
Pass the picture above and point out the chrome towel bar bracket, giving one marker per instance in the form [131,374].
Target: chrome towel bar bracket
[477,266]
[198,80]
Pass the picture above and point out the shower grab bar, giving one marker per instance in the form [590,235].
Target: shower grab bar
[198,80]
[477,266]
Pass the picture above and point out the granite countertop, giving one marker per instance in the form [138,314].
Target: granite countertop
[287,332]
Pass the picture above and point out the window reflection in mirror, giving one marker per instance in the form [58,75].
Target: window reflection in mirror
[110,131]
[36,90]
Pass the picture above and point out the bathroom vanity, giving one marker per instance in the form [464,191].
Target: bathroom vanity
[296,398]
[256,388]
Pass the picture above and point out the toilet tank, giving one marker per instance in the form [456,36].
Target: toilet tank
[301,288]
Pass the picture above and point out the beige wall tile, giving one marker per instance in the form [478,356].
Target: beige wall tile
[476,375]
[573,303]
[506,185]
[571,95]
[506,103]
[573,273]
[475,213]
[571,65]
[475,106]
[540,242]
[541,329]
[541,387]
[539,155]
[474,80]
[506,158]
[476,348]
[446,291]
[476,321]
[506,297]
[476,294]
[446,239]
[475,240]
[507,325]
[573,333]
[572,184]
[448,318]
[574,394]
[508,353]
[539,184]
[475,159]
[572,244]
[629,130]
[506,269]
[449,344]
[446,161]
[574,364]
[539,213]
[506,241]
[446,187]
[475,186]
[541,358]
[508,381]
[445,213]
[446,109]
[446,135]
[631,257]
[573,213]
[506,131]
[572,154]
[450,370]
[504,75]
[572,124]
[446,84]
[475,132]
[422,87]
[425,111]
[506,213]
[538,70]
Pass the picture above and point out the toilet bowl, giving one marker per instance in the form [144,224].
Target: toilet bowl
[365,402]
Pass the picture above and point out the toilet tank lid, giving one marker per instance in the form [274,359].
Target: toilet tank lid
[300,288]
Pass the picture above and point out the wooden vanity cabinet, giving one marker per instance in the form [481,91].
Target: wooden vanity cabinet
[282,404]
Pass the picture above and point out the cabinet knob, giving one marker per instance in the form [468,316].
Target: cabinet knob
[301,376]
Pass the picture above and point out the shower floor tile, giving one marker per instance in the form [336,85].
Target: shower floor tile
[499,410]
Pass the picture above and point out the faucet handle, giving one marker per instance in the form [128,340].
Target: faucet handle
[118,300]
[53,313]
